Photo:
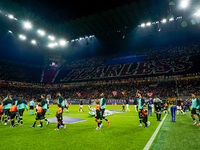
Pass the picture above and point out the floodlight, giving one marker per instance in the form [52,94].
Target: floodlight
[33,42]
[62,42]
[148,24]
[27,25]
[143,25]
[164,21]
[10,16]
[51,37]
[52,45]
[171,19]
[197,14]
[184,4]
[41,32]
[22,37]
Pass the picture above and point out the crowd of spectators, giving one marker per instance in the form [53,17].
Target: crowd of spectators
[173,51]
[86,62]
[164,89]
[19,73]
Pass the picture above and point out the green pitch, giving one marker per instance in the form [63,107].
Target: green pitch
[122,133]
[180,135]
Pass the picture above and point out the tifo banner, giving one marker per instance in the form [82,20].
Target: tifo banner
[147,68]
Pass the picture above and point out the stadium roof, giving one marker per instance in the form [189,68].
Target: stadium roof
[112,22]
[109,21]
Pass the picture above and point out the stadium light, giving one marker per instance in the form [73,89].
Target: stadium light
[52,45]
[80,38]
[143,25]
[41,32]
[33,42]
[27,25]
[62,42]
[72,40]
[10,16]
[164,21]
[197,14]
[184,4]
[9,31]
[148,24]
[171,19]
[51,37]
[22,37]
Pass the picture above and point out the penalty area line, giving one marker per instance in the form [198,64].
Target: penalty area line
[154,134]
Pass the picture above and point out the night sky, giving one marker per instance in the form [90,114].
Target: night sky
[65,10]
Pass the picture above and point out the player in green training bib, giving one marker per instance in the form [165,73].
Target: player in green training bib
[195,109]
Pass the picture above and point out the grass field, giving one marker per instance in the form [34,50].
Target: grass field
[122,133]
[180,135]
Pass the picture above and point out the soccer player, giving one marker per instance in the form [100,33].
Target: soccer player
[31,106]
[60,100]
[97,116]
[21,104]
[13,112]
[90,102]
[44,107]
[39,116]
[15,99]
[7,103]
[150,107]
[103,107]
[48,97]
[136,105]
[127,104]
[81,106]
[195,106]
[123,107]
[141,104]
[66,106]
[59,117]
[145,117]
[179,106]
[1,111]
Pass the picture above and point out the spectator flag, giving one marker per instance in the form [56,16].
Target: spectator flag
[150,94]
[124,92]
[137,93]
[114,93]
[79,94]
[87,95]
[96,94]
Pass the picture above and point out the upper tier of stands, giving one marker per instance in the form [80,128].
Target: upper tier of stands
[36,74]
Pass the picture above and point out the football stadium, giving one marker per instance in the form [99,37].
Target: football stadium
[111,75]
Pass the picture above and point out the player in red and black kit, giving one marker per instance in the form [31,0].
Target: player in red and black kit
[13,112]
[1,111]
[39,116]
[97,116]
[59,117]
